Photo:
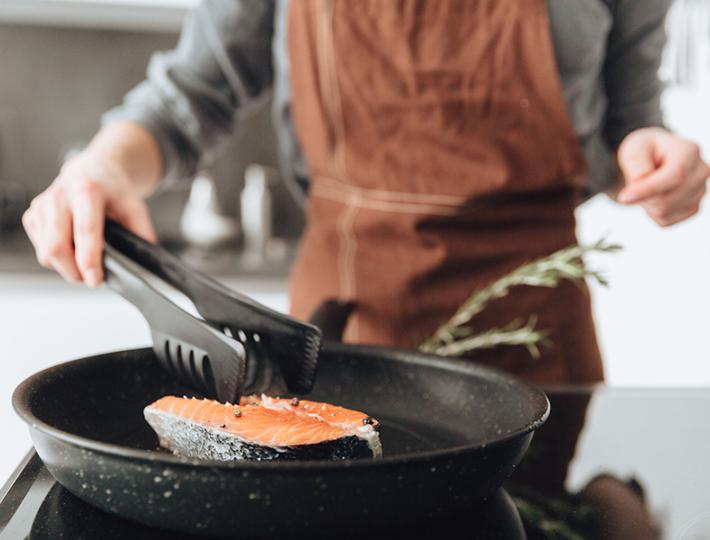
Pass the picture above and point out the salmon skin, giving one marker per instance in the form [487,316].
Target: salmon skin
[262,428]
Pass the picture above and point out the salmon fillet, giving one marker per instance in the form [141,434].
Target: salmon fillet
[262,428]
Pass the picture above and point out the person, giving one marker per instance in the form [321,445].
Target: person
[441,144]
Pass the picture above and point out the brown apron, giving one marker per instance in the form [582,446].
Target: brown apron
[441,157]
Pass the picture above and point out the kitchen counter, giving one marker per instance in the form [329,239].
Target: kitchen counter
[609,463]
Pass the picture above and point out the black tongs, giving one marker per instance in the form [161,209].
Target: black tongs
[239,346]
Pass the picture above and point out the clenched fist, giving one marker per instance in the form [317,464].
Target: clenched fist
[663,173]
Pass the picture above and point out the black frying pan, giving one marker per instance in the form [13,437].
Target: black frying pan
[452,432]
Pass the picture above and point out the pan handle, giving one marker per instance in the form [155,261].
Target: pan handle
[331,316]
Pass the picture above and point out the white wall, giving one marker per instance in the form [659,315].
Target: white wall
[653,320]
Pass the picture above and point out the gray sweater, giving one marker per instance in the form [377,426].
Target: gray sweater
[231,56]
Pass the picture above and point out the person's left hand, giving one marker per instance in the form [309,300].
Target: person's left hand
[663,173]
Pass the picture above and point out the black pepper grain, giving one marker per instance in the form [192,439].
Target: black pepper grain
[295,401]
[368,420]
[237,412]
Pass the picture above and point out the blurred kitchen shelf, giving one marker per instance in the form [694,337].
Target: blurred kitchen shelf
[146,15]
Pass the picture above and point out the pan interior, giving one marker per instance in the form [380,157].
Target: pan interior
[424,404]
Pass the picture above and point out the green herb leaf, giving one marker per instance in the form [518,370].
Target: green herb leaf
[456,336]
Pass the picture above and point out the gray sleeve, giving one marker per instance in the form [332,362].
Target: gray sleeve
[193,95]
[634,54]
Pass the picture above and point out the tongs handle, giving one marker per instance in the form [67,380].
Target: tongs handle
[210,297]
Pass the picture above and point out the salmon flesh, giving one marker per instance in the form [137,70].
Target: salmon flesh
[262,428]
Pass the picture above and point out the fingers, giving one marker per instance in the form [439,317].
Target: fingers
[667,210]
[88,206]
[673,188]
[690,190]
[48,222]
[636,157]
[669,176]
[30,224]
[677,162]
[677,204]
[58,248]
[66,226]
[678,216]
[134,215]
[66,222]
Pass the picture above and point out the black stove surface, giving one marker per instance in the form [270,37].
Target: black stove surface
[609,463]
[38,508]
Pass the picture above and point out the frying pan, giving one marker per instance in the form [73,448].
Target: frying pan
[452,432]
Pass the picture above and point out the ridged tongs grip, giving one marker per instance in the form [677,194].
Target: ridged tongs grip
[240,347]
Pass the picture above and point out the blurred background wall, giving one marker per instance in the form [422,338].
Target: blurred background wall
[57,82]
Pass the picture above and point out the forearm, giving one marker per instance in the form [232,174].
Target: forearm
[132,148]
[194,94]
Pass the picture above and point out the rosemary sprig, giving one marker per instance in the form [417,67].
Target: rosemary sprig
[513,334]
[456,336]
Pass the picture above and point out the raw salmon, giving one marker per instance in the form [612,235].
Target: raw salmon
[262,428]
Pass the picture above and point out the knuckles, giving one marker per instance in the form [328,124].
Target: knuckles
[665,216]
[664,222]
[54,195]
[27,220]
[662,217]
[677,181]
[87,187]
[43,260]
[677,176]
[690,150]
[659,216]
[695,152]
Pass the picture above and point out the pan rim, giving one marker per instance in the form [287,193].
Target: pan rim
[22,407]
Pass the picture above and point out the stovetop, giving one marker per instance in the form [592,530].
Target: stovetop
[36,507]
[609,463]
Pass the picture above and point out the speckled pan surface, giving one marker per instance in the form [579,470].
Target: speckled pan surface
[451,433]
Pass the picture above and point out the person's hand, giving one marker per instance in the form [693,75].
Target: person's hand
[663,173]
[66,222]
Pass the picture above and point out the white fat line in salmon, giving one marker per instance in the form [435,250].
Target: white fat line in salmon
[365,432]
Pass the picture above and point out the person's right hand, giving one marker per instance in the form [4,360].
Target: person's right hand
[66,222]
